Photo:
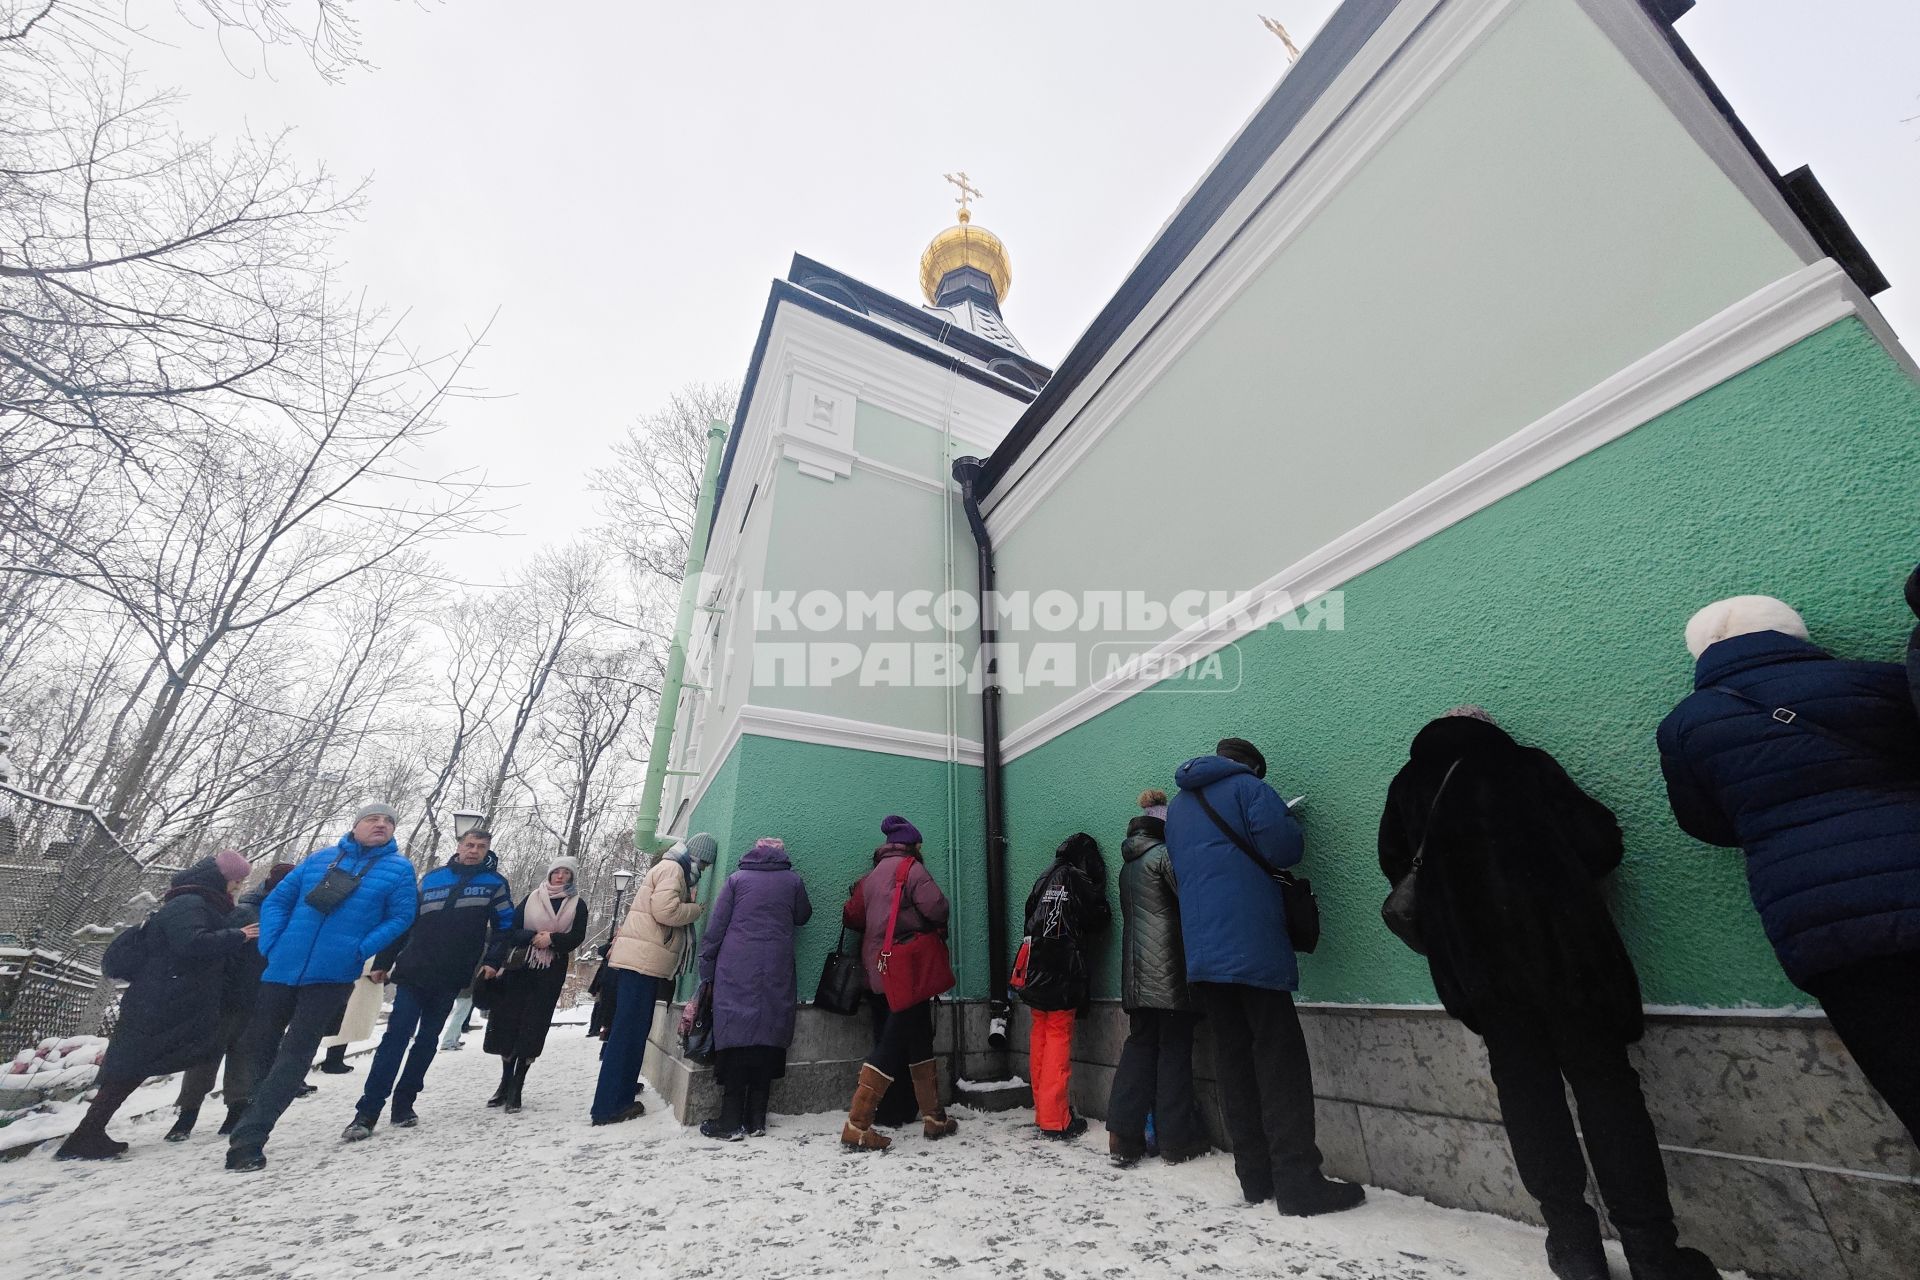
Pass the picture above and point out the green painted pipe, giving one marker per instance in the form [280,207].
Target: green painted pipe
[646,826]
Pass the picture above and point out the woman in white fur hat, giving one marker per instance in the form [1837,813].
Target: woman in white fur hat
[554,920]
[1811,765]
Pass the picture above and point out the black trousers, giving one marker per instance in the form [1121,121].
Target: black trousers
[1874,1006]
[1265,1081]
[197,1083]
[1534,1060]
[1156,1075]
[288,1025]
[899,1040]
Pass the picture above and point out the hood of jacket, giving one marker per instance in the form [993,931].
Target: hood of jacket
[760,858]
[1736,654]
[1449,738]
[489,863]
[886,851]
[1138,846]
[204,874]
[1204,771]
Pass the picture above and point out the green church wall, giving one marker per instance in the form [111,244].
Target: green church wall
[1539,222]
[1559,608]
[826,803]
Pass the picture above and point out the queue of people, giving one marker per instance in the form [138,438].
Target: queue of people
[1494,856]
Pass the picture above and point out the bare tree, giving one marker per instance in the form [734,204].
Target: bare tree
[649,492]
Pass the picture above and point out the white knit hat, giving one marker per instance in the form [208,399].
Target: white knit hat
[1740,616]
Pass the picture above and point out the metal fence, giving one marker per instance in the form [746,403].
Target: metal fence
[66,887]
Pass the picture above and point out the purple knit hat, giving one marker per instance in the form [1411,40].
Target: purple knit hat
[898,830]
[233,864]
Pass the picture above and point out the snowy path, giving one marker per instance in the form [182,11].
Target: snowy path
[475,1194]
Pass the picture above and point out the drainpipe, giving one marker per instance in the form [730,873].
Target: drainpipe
[646,826]
[967,472]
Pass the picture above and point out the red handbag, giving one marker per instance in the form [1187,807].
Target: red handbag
[919,970]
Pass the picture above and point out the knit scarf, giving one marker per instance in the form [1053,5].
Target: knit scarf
[542,918]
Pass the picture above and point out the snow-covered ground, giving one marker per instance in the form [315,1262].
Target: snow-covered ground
[475,1193]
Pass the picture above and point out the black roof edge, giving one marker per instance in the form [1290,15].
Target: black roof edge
[1800,189]
[1343,36]
[936,329]
[788,291]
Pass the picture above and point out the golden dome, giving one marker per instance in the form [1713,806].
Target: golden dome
[965,245]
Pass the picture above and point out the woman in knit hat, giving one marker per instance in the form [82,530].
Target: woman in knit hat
[170,1014]
[551,922]
[1155,1075]
[242,986]
[747,954]
[1810,764]
[904,1045]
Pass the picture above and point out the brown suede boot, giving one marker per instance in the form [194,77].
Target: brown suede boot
[926,1092]
[858,1131]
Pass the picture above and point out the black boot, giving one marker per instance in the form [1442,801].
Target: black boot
[506,1083]
[519,1081]
[1313,1196]
[335,1063]
[756,1117]
[1578,1259]
[1654,1254]
[183,1126]
[232,1121]
[89,1141]
[728,1126]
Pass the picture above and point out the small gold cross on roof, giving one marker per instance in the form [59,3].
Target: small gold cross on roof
[967,192]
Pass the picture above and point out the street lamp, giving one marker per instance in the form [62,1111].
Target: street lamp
[621,881]
[465,820]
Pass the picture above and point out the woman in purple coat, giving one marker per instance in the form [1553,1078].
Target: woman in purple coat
[747,956]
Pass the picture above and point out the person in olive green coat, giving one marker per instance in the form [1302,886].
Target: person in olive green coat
[1156,1066]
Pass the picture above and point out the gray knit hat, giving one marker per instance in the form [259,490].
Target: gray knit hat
[703,848]
[375,809]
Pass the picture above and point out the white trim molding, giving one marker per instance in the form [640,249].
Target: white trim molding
[830,731]
[1758,326]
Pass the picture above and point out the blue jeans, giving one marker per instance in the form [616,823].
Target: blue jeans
[457,1021]
[626,1047]
[421,1010]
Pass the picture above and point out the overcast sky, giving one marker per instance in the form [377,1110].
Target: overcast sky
[620,180]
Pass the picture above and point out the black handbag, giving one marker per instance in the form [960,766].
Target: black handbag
[1301,908]
[334,888]
[843,980]
[696,1039]
[1401,910]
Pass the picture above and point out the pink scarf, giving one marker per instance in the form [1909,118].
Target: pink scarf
[542,918]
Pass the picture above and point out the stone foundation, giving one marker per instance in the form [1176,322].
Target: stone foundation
[1784,1163]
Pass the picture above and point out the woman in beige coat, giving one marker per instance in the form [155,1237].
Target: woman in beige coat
[648,949]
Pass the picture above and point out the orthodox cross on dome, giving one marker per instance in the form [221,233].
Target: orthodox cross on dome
[967,192]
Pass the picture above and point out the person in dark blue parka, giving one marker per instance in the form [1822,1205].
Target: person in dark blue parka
[1242,974]
[316,944]
[1811,764]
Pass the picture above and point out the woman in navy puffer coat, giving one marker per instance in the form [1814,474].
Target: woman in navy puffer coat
[1811,764]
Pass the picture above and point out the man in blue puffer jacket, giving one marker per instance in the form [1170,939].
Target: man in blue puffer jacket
[1242,973]
[313,958]
[1811,764]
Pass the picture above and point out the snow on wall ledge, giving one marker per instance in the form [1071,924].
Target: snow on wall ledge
[1560,609]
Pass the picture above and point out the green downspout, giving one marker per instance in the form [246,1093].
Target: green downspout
[646,826]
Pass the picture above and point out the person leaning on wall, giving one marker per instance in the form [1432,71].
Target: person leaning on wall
[1505,854]
[1811,764]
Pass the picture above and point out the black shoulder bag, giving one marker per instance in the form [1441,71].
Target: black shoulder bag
[843,980]
[1296,892]
[335,887]
[1401,910]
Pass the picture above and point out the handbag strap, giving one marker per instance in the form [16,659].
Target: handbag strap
[1786,715]
[1420,853]
[893,918]
[1239,841]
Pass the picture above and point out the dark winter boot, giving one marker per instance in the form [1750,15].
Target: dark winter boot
[1576,1259]
[335,1063]
[756,1117]
[858,1131]
[89,1143]
[360,1130]
[232,1121]
[183,1125]
[246,1159]
[1076,1125]
[1125,1152]
[926,1093]
[512,1104]
[728,1126]
[1314,1196]
[506,1083]
[1653,1254]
